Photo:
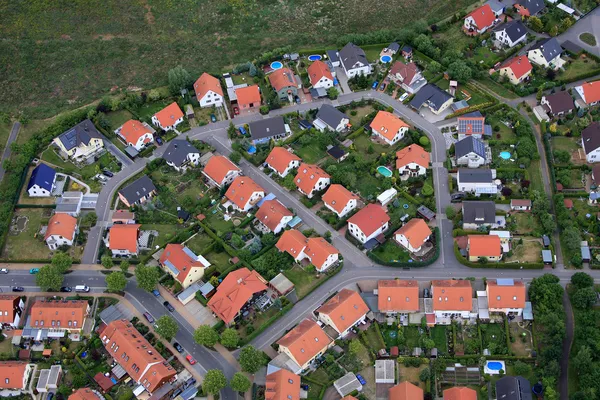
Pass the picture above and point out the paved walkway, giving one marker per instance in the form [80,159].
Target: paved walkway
[7,151]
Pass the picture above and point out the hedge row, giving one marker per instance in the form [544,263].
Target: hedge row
[34,261]
[470,109]
[493,265]
[35,206]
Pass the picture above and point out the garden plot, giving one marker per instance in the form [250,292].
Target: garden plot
[494,338]
[467,340]
[521,340]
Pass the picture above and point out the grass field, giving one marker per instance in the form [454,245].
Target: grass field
[529,251]
[565,143]
[526,223]
[438,334]
[392,252]
[199,242]
[303,281]
[579,66]
[497,88]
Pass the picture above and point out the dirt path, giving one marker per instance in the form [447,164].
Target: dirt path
[566,349]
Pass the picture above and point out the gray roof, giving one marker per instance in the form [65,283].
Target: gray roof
[533,6]
[352,56]
[495,5]
[585,253]
[333,55]
[469,145]
[347,384]
[83,132]
[266,128]
[479,212]
[560,102]
[394,46]
[138,189]
[513,388]
[475,175]
[178,151]
[550,48]
[330,115]
[433,95]
[590,137]
[547,256]
[514,29]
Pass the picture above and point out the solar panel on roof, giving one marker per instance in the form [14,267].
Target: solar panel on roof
[470,126]
[505,282]
[189,253]
[173,269]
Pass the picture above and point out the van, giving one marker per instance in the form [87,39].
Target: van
[82,288]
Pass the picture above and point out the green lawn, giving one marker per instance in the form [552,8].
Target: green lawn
[412,336]
[494,338]
[588,38]
[438,334]
[497,88]
[565,143]
[392,252]
[580,66]
[149,109]
[4,134]
[221,260]
[304,281]
[535,176]
[372,53]
[486,55]
[374,338]
[506,133]
[526,222]
[361,112]
[199,242]
[368,185]
[216,221]
[455,37]
[362,144]
[165,232]
[310,153]
[118,118]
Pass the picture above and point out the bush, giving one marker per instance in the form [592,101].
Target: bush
[424,141]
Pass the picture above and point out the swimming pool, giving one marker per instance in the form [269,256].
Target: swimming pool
[276,65]
[385,59]
[505,155]
[494,367]
[314,57]
[384,171]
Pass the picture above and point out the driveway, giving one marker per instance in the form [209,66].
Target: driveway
[114,150]
[11,138]
[590,23]
[343,80]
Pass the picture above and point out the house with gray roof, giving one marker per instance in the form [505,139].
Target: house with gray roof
[181,154]
[478,213]
[510,33]
[137,192]
[558,104]
[80,143]
[471,152]
[354,61]
[528,8]
[263,130]
[513,388]
[431,96]
[333,58]
[478,181]
[546,53]
[590,139]
[331,118]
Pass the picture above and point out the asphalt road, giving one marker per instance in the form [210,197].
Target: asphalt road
[14,132]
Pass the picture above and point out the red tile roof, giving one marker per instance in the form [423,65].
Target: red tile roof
[484,246]
[405,391]
[168,115]
[338,197]
[319,250]
[416,232]
[282,385]
[57,314]
[271,213]
[217,168]
[407,71]
[305,341]
[398,295]
[344,309]
[282,78]
[248,95]
[124,237]
[483,16]
[388,124]
[460,393]
[61,225]
[292,242]
[84,394]
[506,296]
[308,175]
[181,260]
[370,218]
[279,158]
[451,295]
[519,65]
[412,154]
[520,203]
[568,203]
[205,83]
[9,307]
[12,374]
[133,130]
[241,190]
[318,70]
[591,91]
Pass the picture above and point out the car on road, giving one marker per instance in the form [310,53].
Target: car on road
[34,270]
[213,118]
[178,347]
[108,173]
[190,359]
[156,293]
[361,379]
[149,317]
[169,306]
[403,97]
[66,289]
[158,141]
[3,271]
[236,111]
[18,289]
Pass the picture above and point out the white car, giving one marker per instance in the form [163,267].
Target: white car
[3,271]
[403,97]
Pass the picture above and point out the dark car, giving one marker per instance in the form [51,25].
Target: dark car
[190,382]
[149,317]
[304,387]
[18,289]
[158,140]
[213,118]
[297,99]
[66,289]
[457,197]
[176,393]
[382,88]
[178,347]
[108,173]
[50,396]
[169,306]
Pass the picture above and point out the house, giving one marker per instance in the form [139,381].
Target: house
[282,161]
[558,104]
[452,299]
[14,375]
[136,134]
[284,83]
[337,153]
[405,391]
[208,91]
[497,7]
[132,351]
[318,251]
[248,97]
[181,154]
[397,296]
[478,181]
[471,152]
[407,52]
[236,290]
[123,239]
[243,194]
[305,342]
[386,196]
[472,124]
[407,76]
[484,246]
[273,216]
[137,192]
[513,387]
[264,130]
[59,316]
[86,394]
[42,181]
[282,385]
[354,61]
[81,142]
[123,217]
[413,235]
[546,53]
[412,161]
[528,8]
[516,69]
[347,384]
[343,311]
[331,118]
[388,127]
[320,75]
[436,99]
[478,213]
[340,200]
[589,92]
[506,296]
[520,205]
[11,310]
[220,171]
[510,33]
[333,57]
[183,264]
[590,139]
[61,231]
[168,118]
[368,223]
[460,393]
[479,20]
[311,179]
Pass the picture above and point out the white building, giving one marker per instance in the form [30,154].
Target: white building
[478,181]
[389,127]
[243,194]
[368,223]
[470,152]
[546,53]
[511,33]
[42,181]
[181,154]
[136,134]
[208,91]
[340,200]
[413,235]
[412,161]
[282,161]
[354,61]
[61,231]
[168,118]
[343,311]
[590,138]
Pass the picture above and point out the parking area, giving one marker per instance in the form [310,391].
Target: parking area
[201,313]
[588,24]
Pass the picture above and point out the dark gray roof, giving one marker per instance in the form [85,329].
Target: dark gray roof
[533,6]
[572,47]
[407,49]
[266,128]
[479,212]
[550,48]
[138,189]
[433,95]
[475,175]
[80,133]
[353,56]
[394,46]
[590,137]
[513,388]
[469,145]
[336,152]
[560,102]
[333,55]
[514,29]
[330,115]
[495,5]
[178,151]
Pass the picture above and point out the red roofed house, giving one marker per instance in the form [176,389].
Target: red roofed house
[86,394]
[520,205]
[568,203]
[413,235]
[237,289]
[305,342]
[589,92]
[407,76]
[282,385]
[59,316]
[412,161]
[343,311]
[168,118]
[460,393]
[273,216]
[183,265]
[248,97]
[405,391]
[282,161]
[484,246]
[340,200]
[11,309]
[516,69]
[398,296]
[14,374]
[389,127]
[452,299]
[61,231]
[243,194]
[317,250]
[479,20]
[220,171]
[506,296]
[135,133]
[368,223]
[208,91]
[320,76]
[123,239]
[311,179]
[284,83]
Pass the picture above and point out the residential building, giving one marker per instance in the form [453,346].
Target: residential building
[220,171]
[513,387]
[589,92]
[452,299]
[305,342]
[317,250]
[478,213]
[71,203]
[412,161]
[42,181]
[282,385]
[497,7]
[123,239]
[397,296]
[248,97]
[123,217]
[49,379]
[388,127]
[243,194]
[273,216]
[393,48]
[368,223]
[505,238]
[354,61]
[340,200]
[484,246]
[311,179]
[11,310]
[528,8]
[470,152]
[183,264]
[80,143]
[136,134]
[284,83]
[137,192]
[236,290]
[86,394]
[282,161]
[264,130]
[405,391]
[59,316]
[434,98]
[320,75]
[337,153]
[546,53]
[479,20]
[478,181]
[181,154]
[510,33]
[130,349]
[331,118]
[168,118]
[590,139]
[343,311]
[520,205]
[473,124]
[407,76]
[506,296]
[558,104]
[61,231]
[460,393]
[413,235]
[333,58]
[407,52]
[516,69]
[14,375]
[208,91]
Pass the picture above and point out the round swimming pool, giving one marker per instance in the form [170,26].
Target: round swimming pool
[385,59]
[276,65]
[315,57]
[384,171]
[494,365]
[505,155]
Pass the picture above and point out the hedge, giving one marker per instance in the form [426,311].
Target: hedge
[470,109]
[493,265]
[464,232]
[265,325]
[34,261]
[35,206]
[436,234]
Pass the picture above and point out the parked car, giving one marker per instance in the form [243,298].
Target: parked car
[108,173]
[158,140]
[34,270]
[3,271]
[178,347]
[304,387]
[213,118]
[297,99]
[382,87]
[190,359]
[190,382]
[375,84]
[426,293]
[18,289]
[403,97]
[361,379]
[149,317]
[169,306]
[66,289]
[243,130]
[156,293]
[457,197]
[176,393]
[236,110]
[50,396]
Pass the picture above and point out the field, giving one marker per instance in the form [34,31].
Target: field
[411,374]
[303,281]
[529,251]
[526,222]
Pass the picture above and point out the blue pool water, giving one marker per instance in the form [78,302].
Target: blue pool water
[276,65]
[251,150]
[494,365]
[314,57]
[386,59]
[84,354]
[505,155]
[384,171]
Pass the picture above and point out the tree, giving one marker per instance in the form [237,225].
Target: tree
[240,383]
[427,343]
[235,156]
[116,281]
[167,327]
[333,93]
[427,190]
[460,71]
[424,141]
[522,368]
[214,381]
[434,67]
[355,347]
[62,262]
[107,261]
[584,298]
[179,79]
[540,94]
[147,277]
[536,24]
[124,266]
[424,375]
[49,278]
[583,361]
[230,338]
[205,335]
[450,212]
[251,359]
[582,280]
